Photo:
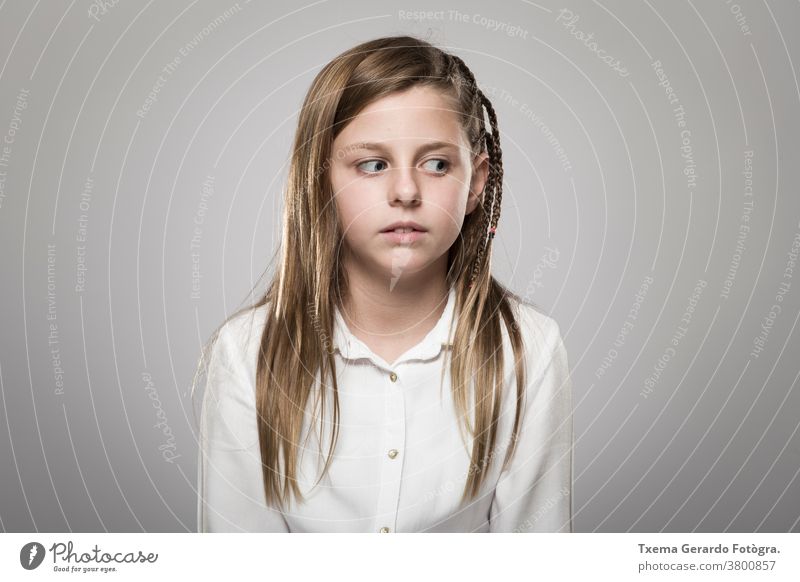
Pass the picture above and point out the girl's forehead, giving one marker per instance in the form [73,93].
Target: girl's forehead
[419,113]
[421,96]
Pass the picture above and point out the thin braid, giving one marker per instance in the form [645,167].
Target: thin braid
[496,162]
[494,181]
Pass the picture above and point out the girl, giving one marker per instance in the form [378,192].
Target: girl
[373,387]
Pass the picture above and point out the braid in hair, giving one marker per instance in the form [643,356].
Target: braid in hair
[494,181]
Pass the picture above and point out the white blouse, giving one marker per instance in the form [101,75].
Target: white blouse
[400,464]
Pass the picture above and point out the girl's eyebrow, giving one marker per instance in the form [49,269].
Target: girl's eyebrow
[378,146]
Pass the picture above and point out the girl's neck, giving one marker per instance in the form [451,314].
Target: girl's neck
[390,321]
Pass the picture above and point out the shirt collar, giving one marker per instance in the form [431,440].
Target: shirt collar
[349,346]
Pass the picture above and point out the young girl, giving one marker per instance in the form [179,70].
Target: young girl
[386,382]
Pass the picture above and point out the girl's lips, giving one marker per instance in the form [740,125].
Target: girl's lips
[403,237]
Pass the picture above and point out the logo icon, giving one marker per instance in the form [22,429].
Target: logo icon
[31,555]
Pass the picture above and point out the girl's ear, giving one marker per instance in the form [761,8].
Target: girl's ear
[480,171]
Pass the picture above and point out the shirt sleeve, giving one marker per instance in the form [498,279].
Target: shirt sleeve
[534,494]
[230,486]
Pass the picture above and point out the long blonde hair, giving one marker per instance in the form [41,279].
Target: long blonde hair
[309,281]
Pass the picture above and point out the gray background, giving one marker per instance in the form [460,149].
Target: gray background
[594,173]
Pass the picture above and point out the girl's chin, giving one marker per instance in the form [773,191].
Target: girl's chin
[396,262]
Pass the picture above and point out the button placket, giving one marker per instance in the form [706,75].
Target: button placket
[392,467]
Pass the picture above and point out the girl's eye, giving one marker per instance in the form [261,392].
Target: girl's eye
[439,166]
[436,165]
[371,171]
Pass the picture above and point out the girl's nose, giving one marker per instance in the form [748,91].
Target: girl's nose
[404,188]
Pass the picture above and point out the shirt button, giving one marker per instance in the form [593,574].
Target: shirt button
[384,530]
[392,453]
[393,377]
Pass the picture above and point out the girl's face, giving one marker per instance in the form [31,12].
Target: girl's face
[404,158]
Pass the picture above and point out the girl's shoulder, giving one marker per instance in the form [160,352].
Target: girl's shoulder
[235,345]
[546,359]
[540,332]
[242,324]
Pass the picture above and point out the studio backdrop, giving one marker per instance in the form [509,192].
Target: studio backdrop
[650,207]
